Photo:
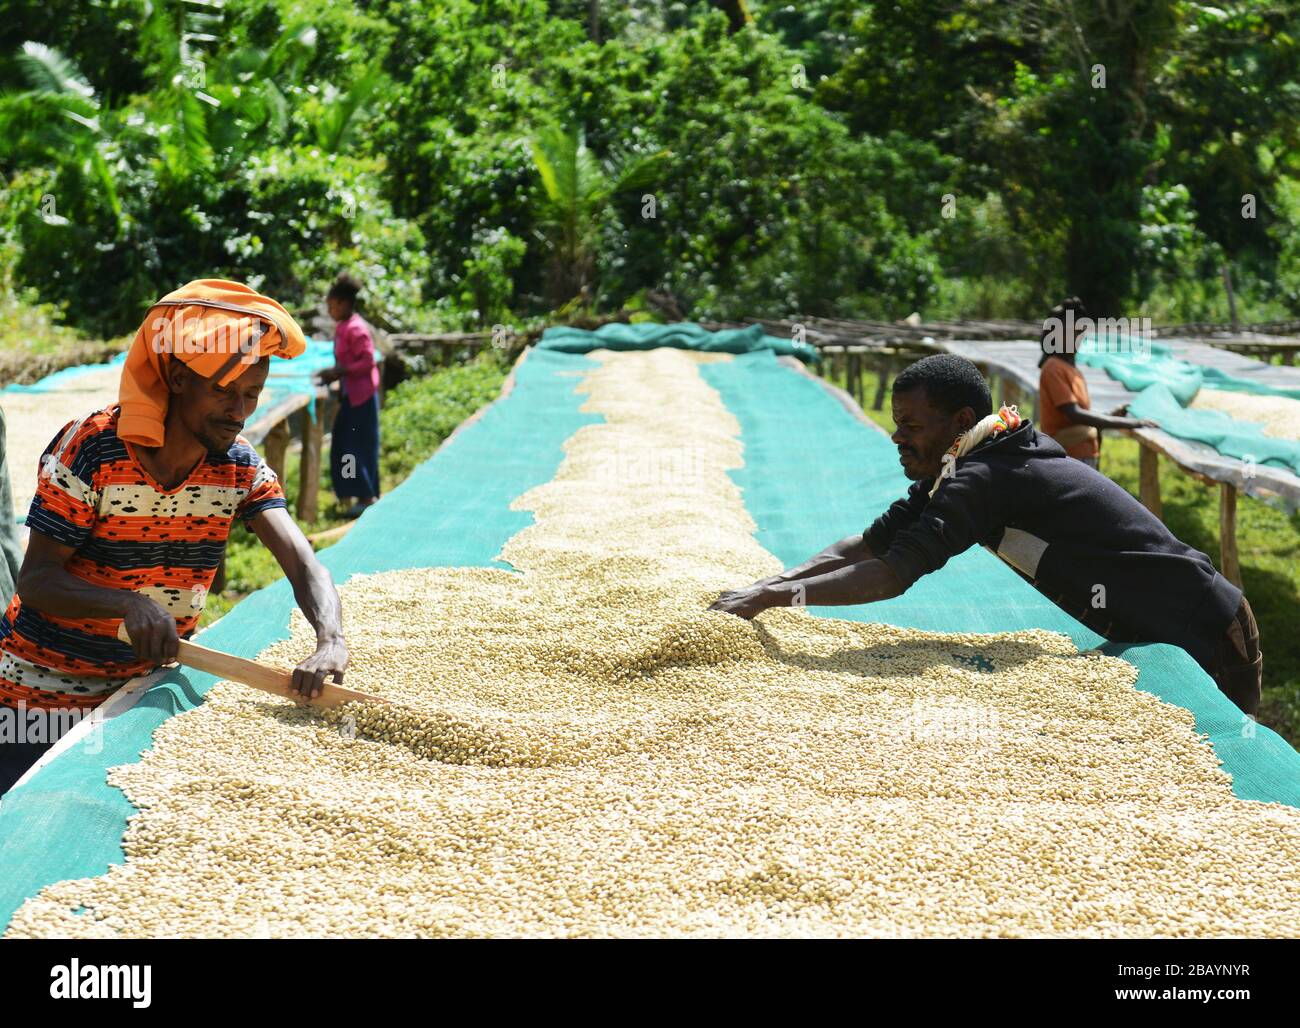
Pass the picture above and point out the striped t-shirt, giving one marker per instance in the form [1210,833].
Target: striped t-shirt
[94,495]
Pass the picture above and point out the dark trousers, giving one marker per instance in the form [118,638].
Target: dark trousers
[354,449]
[15,760]
[1238,666]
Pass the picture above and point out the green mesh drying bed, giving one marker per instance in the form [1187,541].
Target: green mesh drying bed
[808,478]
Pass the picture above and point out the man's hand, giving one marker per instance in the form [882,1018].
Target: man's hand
[762,583]
[151,628]
[745,603]
[329,660]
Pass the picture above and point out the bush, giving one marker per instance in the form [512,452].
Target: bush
[421,412]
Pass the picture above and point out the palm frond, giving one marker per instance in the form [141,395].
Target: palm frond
[338,122]
[556,156]
[108,185]
[49,71]
[187,148]
[639,172]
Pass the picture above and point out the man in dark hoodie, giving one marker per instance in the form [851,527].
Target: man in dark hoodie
[1076,536]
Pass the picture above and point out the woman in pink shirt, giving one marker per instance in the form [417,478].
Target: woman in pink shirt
[354,450]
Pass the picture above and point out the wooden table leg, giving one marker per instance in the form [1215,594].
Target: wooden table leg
[1229,565]
[886,365]
[1010,392]
[309,467]
[274,446]
[1149,480]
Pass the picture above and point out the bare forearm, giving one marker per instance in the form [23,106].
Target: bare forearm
[865,581]
[1080,416]
[53,589]
[847,551]
[314,591]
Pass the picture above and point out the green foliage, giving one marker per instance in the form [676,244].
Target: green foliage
[229,165]
[577,191]
[799,164]
[489,276]
[470,85]
[332,215]
[1228,115]
[101,36]
[1288,265]
[421,412]
[1194,96]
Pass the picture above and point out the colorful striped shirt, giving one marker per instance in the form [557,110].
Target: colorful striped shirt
[94,495]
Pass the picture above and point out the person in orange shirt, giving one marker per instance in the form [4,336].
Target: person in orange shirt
[1064,407]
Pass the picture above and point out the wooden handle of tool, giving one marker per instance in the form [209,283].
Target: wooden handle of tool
[255,675]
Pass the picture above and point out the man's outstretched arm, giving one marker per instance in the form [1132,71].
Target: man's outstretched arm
[866,581]
[849,550]
[1082,416]
[313,588]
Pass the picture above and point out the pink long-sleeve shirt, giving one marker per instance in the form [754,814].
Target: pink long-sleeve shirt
[354,353]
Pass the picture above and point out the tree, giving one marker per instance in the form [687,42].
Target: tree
[737,13]
[577,191]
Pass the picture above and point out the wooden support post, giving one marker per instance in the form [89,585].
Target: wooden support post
[1149,479]
[1229,565]
[1288,357]
[1010,391]
[1232,300]
[309,466]
[274,446]
[886,365]
[855,377]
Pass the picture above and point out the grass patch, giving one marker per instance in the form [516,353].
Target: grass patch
[33,342]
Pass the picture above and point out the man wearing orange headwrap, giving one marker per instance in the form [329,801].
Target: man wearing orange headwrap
[133,507]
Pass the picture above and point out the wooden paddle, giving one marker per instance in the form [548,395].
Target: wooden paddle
[258,676]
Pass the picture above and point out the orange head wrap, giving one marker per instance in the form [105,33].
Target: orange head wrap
[217,328]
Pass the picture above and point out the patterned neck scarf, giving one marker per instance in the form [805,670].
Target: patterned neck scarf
[1006,419]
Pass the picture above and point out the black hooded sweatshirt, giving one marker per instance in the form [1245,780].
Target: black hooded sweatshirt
[1081,540]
